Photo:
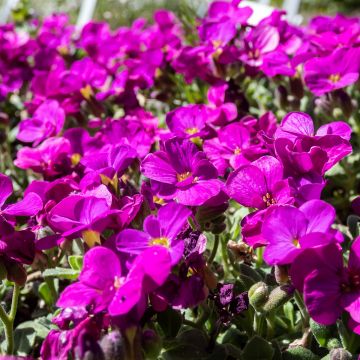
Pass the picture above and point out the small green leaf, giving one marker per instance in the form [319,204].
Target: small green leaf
[170,322]
[76,262]
[61,273]
[45,294]
[24,338]
[258,348]
[299,353]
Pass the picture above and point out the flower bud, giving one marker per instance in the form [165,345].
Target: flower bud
[112,345]
[16,273]
[282,96]
[333,343]
[258,295]
[278,297]
[340,354]
[151,343]
[3,271]
[299,352]
[321,332]
[281,274]
[297,87]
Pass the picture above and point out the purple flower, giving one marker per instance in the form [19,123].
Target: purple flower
[102,286]
[303,151]
[222,111]
[160,230]
[182,172]
[110,160]
[87,215]
[230,148]
[289,230]
[222,21]
[189,121]
[260,184]
[29,206]
[329,287]
[332,72]
[48,120]
[49,158]
[261,40]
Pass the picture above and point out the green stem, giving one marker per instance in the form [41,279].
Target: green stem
[8,320]
[214,249]
[225,258]
[300,303]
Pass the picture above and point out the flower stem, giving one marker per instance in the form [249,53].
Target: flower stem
[300,303]
[214,249]
[8,320]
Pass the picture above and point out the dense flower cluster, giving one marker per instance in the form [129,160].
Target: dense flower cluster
[172,180]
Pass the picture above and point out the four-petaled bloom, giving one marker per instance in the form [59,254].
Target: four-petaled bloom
[329,287]
[182,172]
[260,184]
[160,230]
[102,285]
[289,230]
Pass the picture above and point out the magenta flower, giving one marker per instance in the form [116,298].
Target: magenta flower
[222,111]
[103,286]
[329,287]
[87,215]
[260,184]
[303,151]
[48,120]
[182,172]
[289,230]
[261,40]
[222,21]
[49,158]
[110,160]
[189,121]
[332,72]
[29,206]
[160,230]
[230,148]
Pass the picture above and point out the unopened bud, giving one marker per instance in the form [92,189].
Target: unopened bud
[297,87]
[151,343]
[113,346]
[258,295]
[340,354]
[299,352]
[278,297]
[333,343]
[281,274]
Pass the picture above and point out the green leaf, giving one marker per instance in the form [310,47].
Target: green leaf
[45,294]
[321,333]
[258,348]
[61,273]
[170,322]
[76,262]
[299,353]
[24,338]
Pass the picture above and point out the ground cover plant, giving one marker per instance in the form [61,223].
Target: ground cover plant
[180,189]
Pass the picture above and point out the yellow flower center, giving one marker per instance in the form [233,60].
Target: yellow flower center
[237,151]
[268,199]
[91,238]
[192,131]
[162,241]
[334,78]
[117,282]
[75,159]
[254,54]
[183,176]
[296,243]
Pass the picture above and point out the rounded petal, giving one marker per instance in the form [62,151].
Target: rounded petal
[247,186]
